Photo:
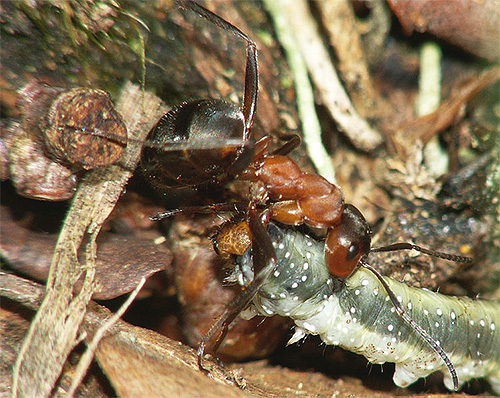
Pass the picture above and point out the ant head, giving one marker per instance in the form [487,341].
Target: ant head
[347,242]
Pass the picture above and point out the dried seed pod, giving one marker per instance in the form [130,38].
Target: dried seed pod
[78,127]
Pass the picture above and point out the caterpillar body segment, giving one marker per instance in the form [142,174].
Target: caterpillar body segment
[357,314]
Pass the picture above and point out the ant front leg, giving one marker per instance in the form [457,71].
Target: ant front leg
[264,262]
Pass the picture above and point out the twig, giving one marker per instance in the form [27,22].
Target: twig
[87,357]
[305,97]
[428,100]
[303,25]
[340,22]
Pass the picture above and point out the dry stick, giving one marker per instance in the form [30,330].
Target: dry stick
[87,357]
[340,23]
[325,77]
[428,100]
[311,128]
[53,331]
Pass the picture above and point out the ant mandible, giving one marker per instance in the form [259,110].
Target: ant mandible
[185,155]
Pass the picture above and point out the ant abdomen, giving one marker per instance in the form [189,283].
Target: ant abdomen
[196,142]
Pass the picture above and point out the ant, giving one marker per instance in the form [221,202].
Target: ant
[280,191]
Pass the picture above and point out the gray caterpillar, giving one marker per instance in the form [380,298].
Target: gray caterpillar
[357,314]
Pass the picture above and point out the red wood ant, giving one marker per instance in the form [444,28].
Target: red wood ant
[286,194]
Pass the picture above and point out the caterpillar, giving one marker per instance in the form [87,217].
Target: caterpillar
[357,314]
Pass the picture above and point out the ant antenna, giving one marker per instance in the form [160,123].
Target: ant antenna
[422,332]
[433,253]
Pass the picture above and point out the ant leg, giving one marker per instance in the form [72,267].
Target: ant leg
[251,86]
[292,143]
[252,70]
[264,262]
[208,209]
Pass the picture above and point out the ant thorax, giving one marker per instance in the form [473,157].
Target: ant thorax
[357,314]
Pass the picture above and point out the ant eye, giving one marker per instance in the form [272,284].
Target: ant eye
[352,252]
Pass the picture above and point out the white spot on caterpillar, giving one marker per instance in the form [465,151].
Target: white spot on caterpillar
[267,310]
[426,313]
[295,298]
[375,291]
[471,322]
[283,295]
[287,254]
[310,326]
[276,273]
[436,324]
[479,335]
[492,326]
[308,255]
[292,265]
[356,292]
[364,282]
[309,243]
[439,312]
[390,328]
[294,285]
[452,315]
[353,310]
[281,246]
[306,266]
[482,323]
[304,278]
[409,305]
[400,299]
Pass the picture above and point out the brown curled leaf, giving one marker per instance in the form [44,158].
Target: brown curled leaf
[469,24]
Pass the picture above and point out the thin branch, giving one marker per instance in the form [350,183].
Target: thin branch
[87,357]
[301,22]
